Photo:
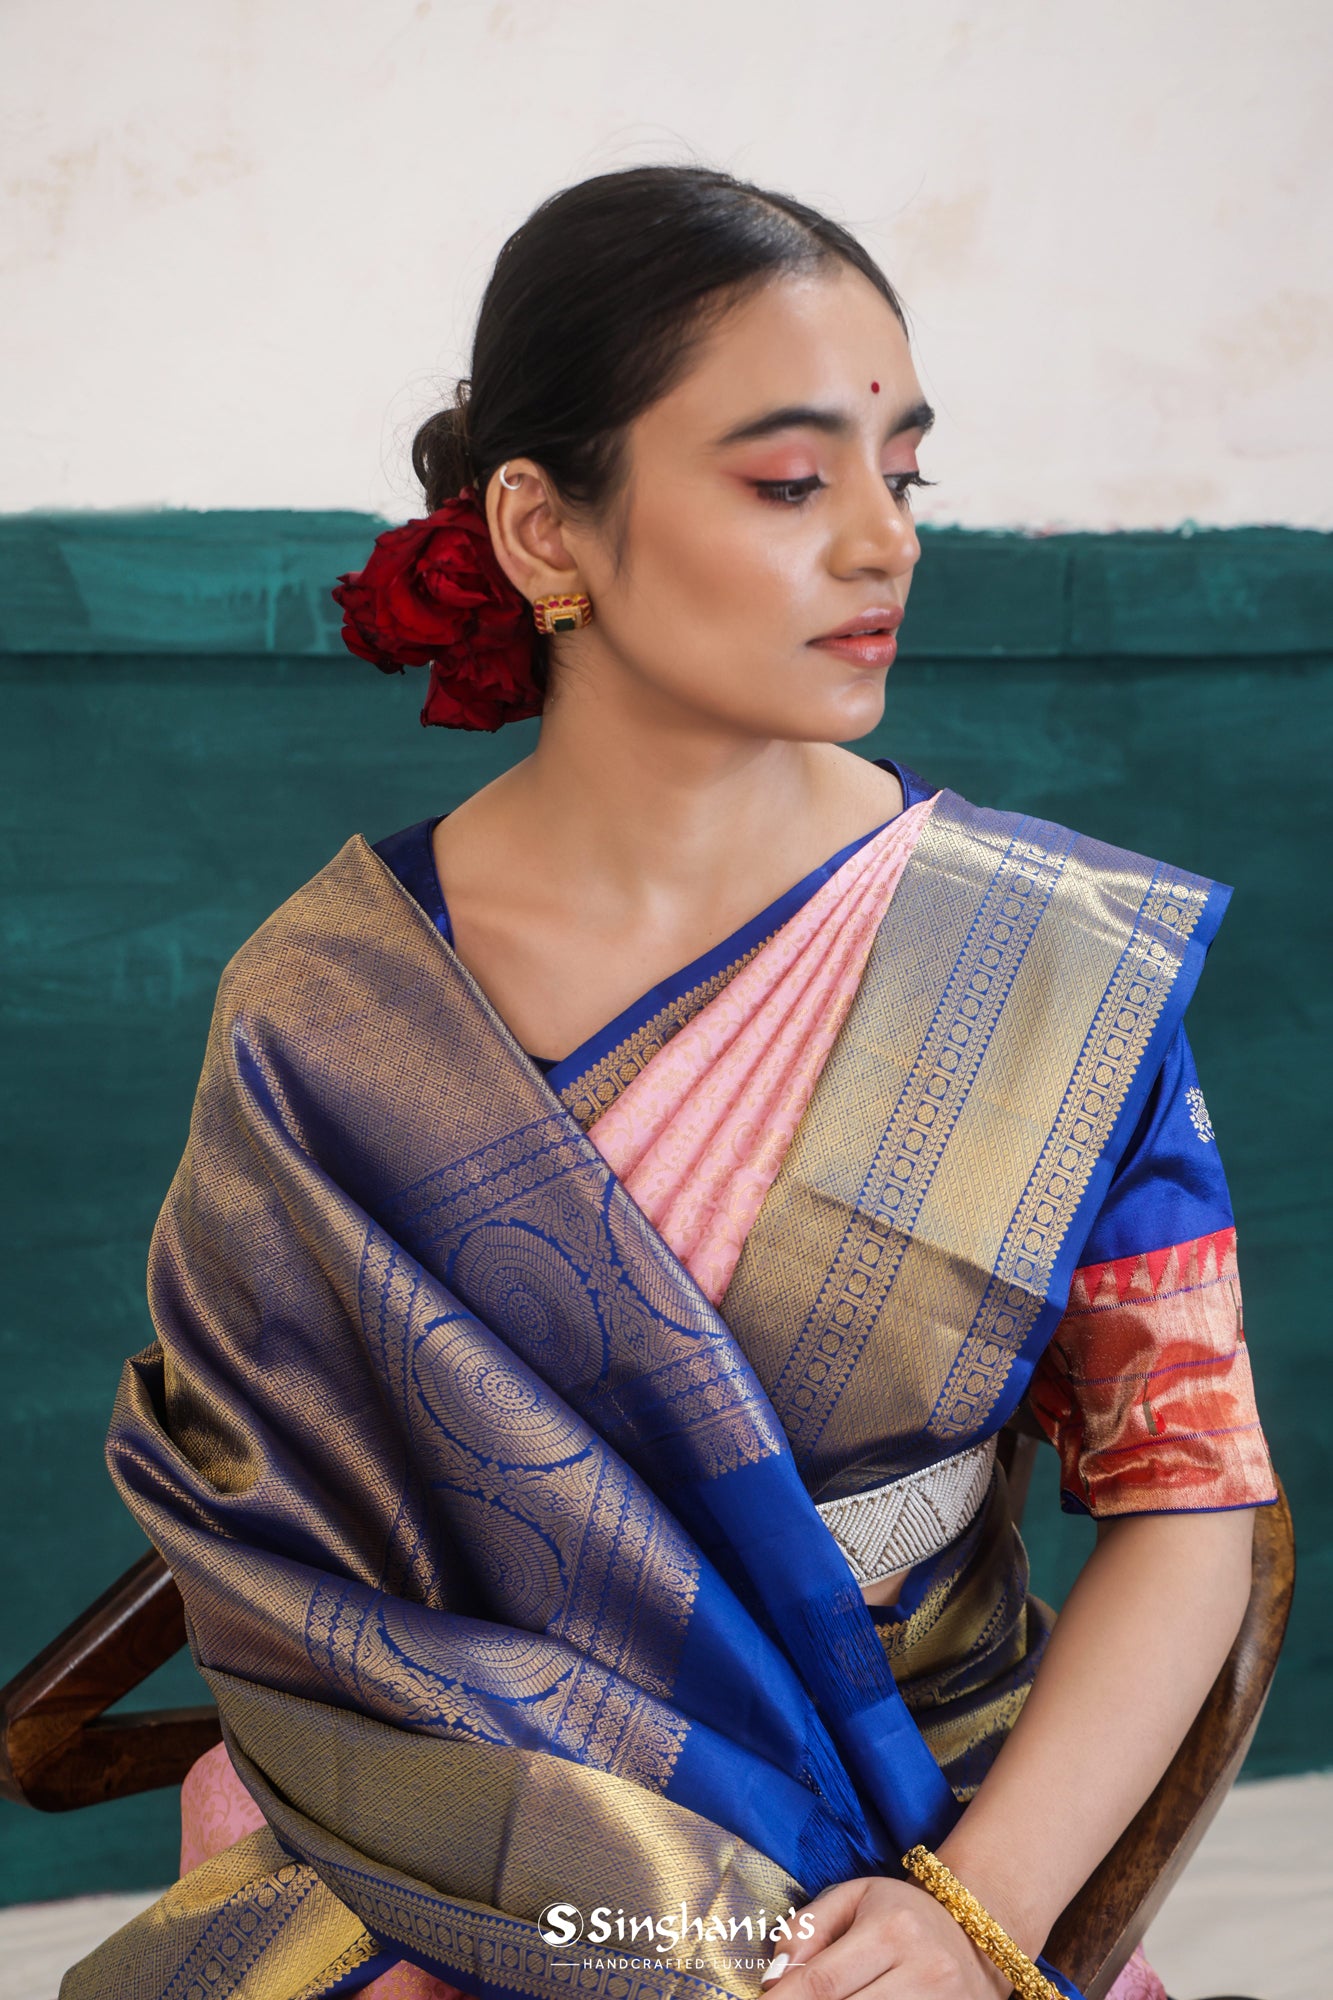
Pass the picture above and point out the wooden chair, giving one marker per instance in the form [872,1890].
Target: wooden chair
[59,1748]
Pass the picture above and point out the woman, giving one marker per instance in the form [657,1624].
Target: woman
[619,1214]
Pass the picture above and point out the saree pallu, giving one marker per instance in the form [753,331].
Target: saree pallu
[497,1538]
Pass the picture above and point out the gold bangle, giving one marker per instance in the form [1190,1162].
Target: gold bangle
[1027,1979]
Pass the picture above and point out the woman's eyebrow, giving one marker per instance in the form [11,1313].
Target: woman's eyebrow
[808,416]
[919,417]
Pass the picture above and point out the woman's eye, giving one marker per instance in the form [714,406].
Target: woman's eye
[901,483]
[795,492]
[788,492]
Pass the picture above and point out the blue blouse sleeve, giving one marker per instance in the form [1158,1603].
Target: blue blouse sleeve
[1169,1186]
[1145,1388]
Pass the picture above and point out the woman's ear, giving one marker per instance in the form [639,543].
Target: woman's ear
[524,517]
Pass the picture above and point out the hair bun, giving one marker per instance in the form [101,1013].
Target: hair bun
[442,451]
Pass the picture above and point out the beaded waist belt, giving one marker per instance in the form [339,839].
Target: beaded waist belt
[888,1528]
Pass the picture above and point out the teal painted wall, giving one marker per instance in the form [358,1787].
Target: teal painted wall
[185,743]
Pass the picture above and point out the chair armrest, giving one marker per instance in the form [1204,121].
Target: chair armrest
[58,1748]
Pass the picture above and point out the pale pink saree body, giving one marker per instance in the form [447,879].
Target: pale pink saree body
[698,1138]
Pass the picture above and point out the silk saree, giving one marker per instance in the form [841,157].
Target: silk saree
[490,1454]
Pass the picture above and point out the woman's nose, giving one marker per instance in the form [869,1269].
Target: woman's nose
[876,532]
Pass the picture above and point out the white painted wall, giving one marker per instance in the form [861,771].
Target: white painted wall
[243,240]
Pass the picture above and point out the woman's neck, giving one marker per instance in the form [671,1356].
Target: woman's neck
[650,801]
[624,848]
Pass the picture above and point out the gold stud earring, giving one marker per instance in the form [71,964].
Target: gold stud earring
[562,614]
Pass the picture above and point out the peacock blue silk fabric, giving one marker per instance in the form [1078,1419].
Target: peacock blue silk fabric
[498,1541]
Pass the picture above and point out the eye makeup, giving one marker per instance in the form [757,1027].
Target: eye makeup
[789,492]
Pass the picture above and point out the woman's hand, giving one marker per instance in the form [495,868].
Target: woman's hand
[891,1939]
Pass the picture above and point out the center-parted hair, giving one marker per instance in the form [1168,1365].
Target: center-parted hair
[593,308]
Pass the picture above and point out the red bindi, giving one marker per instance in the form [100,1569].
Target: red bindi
[874,388]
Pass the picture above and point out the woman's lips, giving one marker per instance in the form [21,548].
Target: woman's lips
[870,638]
[868,649]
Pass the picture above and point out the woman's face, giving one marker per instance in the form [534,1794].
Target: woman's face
[767,505]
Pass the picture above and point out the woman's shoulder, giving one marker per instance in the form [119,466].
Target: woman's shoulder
[915,788]
[409,856]
[1044,849]
[1014,880]
[340,924]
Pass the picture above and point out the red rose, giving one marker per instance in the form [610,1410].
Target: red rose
[433,594]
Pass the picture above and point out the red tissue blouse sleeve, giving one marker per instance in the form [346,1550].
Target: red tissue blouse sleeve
[1145,1389]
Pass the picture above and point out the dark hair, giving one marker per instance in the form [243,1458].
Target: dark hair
[592,309]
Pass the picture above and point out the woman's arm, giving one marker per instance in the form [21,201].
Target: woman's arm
[1140,1641]
[1138,1644]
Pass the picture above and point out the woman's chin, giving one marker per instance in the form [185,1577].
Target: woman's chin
[846,713]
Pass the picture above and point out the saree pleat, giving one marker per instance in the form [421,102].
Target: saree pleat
[699,1136]
[483,1514]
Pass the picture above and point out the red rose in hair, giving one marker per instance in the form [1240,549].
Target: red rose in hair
[434,595]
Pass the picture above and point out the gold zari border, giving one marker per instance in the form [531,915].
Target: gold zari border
[1123,1026]
[1012,990]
